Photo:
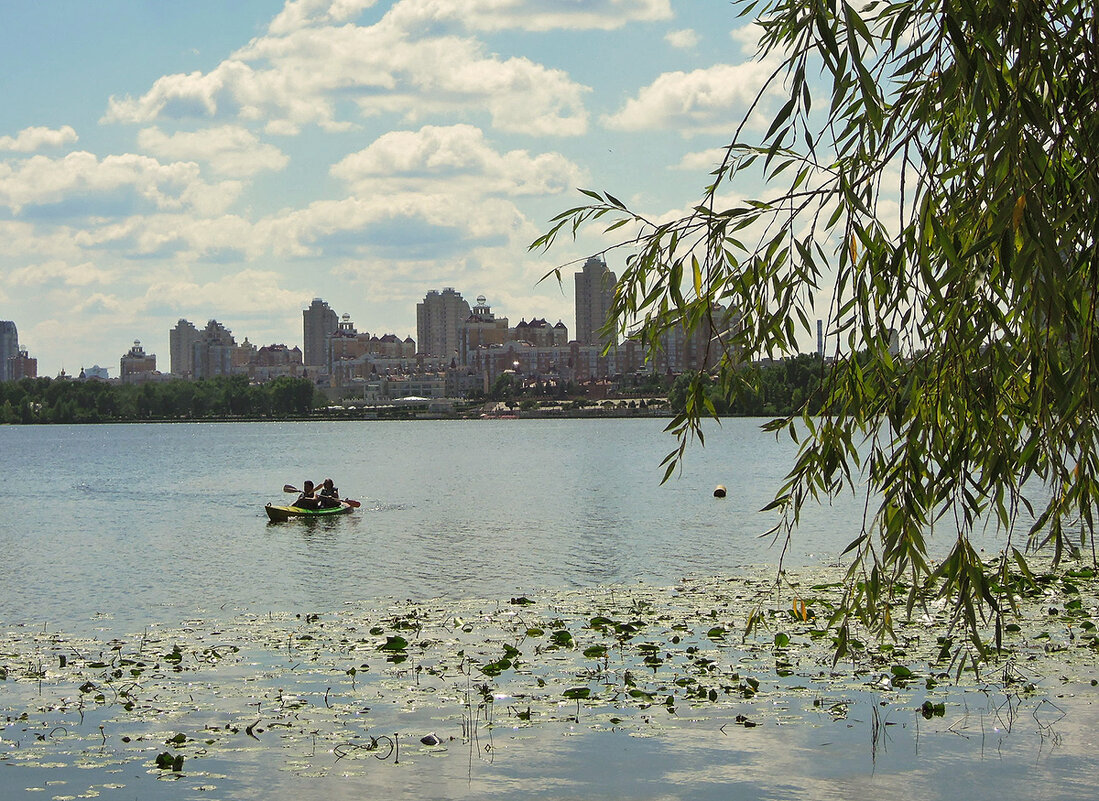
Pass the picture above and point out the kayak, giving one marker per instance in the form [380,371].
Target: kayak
[280,514]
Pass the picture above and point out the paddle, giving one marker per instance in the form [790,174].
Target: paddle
[348,501]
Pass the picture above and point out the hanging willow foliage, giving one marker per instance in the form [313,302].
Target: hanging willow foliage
[933,181]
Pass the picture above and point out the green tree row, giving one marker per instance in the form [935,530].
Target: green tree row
[47,400]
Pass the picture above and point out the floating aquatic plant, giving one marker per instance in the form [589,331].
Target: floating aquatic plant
[328,688]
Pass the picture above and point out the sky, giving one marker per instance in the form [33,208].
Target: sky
[232,161]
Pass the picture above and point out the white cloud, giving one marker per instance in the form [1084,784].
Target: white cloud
[194,91]
[386,70]
[109,235]
[139,237]
[748,37]
[114,181]
[399,284]
[35,138]
[436,191]
[178,238]
[284,99]
[227,233]
[702,159]
[703,101]
[229,149]
[447,158]
[59,272]
[529,15]
[297,14]
[683,39]
[102,303]
[242,292]
[25,243]
[296,79]
[218,93]
[404,223]
[477,15]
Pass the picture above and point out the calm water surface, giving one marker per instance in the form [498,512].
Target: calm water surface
[146,522]
[124,527]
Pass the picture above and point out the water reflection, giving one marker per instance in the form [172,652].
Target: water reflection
[458,509]
[148,536]
[705,758]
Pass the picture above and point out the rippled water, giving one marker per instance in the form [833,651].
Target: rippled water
[112,529]
[143,522]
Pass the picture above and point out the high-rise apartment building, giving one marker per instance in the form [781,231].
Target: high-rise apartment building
[213,351]
[319,322]
[702,347]
[181,345]
[594,292]
[439,319]
[9,349]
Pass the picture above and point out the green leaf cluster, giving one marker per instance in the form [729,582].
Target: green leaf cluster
[932,179]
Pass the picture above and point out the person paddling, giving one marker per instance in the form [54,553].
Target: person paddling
[328,490]
[308,498]
[327,495]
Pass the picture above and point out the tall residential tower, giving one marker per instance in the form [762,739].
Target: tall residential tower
[213,351]
[594,292]
[9,349]
[181,346]
[319,322]
[439,318]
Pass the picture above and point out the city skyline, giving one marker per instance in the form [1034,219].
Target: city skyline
[234,161]
[319,321]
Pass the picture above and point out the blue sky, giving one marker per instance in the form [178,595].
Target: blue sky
[234,160]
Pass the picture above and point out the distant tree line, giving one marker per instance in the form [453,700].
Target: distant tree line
[783,388]
[47,400]
[777,389]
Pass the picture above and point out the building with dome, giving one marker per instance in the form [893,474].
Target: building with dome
[481,329]
[136,365]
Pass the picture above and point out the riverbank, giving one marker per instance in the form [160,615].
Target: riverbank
[389,412]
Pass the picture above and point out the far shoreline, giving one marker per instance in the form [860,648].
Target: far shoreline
[386,414]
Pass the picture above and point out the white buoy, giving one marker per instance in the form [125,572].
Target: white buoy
[719,491]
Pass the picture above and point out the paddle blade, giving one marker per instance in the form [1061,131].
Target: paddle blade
[351,503]
[289,488]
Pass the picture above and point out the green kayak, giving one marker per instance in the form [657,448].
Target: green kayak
[280,514]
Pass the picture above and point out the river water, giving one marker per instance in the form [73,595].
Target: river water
[145,522]
[111,530]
